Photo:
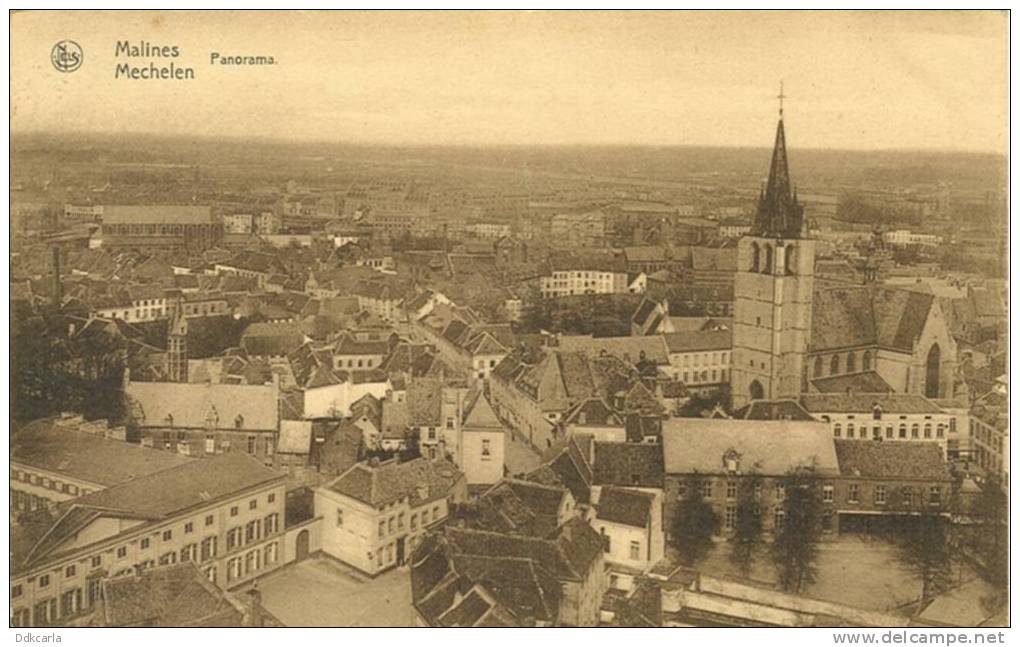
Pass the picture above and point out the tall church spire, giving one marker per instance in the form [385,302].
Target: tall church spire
[779,215]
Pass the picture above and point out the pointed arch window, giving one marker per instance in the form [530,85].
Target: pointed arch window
[834,365]
[788,260]
[767,269]
[866,361]
[851,362]
[818,367]
[755,257]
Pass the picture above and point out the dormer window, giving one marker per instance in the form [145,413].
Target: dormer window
[876,411]
[731,461]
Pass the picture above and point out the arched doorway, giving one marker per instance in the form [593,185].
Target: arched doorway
[756,390]
[931,372]
[301,550]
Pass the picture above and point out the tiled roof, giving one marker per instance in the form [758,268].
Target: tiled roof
[772,410]
[626,506]
[179,489]
[866,403]
[47,445]
[892,460]
[168,596]
[866,316]
[233,406]
[627,348]
[156,214]
[771,447]
[699,340]
[420,479]
[864,382]
[424,402]
[272,338]
[628,464]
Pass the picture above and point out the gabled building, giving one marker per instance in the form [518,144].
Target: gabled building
[374,514]
[224,514]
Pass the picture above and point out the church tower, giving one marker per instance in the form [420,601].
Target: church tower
[177,344]
[773,291]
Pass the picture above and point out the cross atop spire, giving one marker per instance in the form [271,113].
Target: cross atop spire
[779,214]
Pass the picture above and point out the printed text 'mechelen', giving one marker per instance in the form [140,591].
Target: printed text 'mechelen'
[144,49]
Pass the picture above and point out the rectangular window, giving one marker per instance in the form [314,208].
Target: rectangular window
[271,498]
[730,520]
[879,495]
[605,541]
[16,591]
[486,450]
[145,543]
[827,493]
[635,550]
[208,520]
[731,490]
[908,496]
[706,489]
[44,581]
[382,528]
[189,527]
[852,493]
[168,535]
[122,552]
[339,517]
[414,521]
[69,571]
[935,495]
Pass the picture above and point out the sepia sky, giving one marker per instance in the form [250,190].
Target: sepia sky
[863,80]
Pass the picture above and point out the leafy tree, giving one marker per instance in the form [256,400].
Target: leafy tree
[695,523]
[924,548]
[990,510]
[795,546]
[746,543]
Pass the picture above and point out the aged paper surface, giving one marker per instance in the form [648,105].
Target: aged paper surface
[509,319]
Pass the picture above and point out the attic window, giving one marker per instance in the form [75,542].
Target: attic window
[731,461]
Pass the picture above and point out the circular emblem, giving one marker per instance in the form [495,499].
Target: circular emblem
[67,56]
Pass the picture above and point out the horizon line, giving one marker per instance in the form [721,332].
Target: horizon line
[269,139]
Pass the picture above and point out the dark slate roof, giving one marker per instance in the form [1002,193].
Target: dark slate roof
[628,464]
[867,316]
[892,460]
[47,445]
[625,506]
[772,410]
[864,382]
[425,402]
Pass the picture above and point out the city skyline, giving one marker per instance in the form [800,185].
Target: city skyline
[534,78]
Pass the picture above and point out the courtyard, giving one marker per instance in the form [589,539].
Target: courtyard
[320,592]
[856,570]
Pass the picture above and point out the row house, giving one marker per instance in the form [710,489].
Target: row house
[882,417]
[701,359]
[224,514]
[58,459]
[375,513]
[989,431]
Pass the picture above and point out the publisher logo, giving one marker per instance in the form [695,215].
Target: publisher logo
[67,56]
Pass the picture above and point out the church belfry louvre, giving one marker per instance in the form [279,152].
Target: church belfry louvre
[790,338]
